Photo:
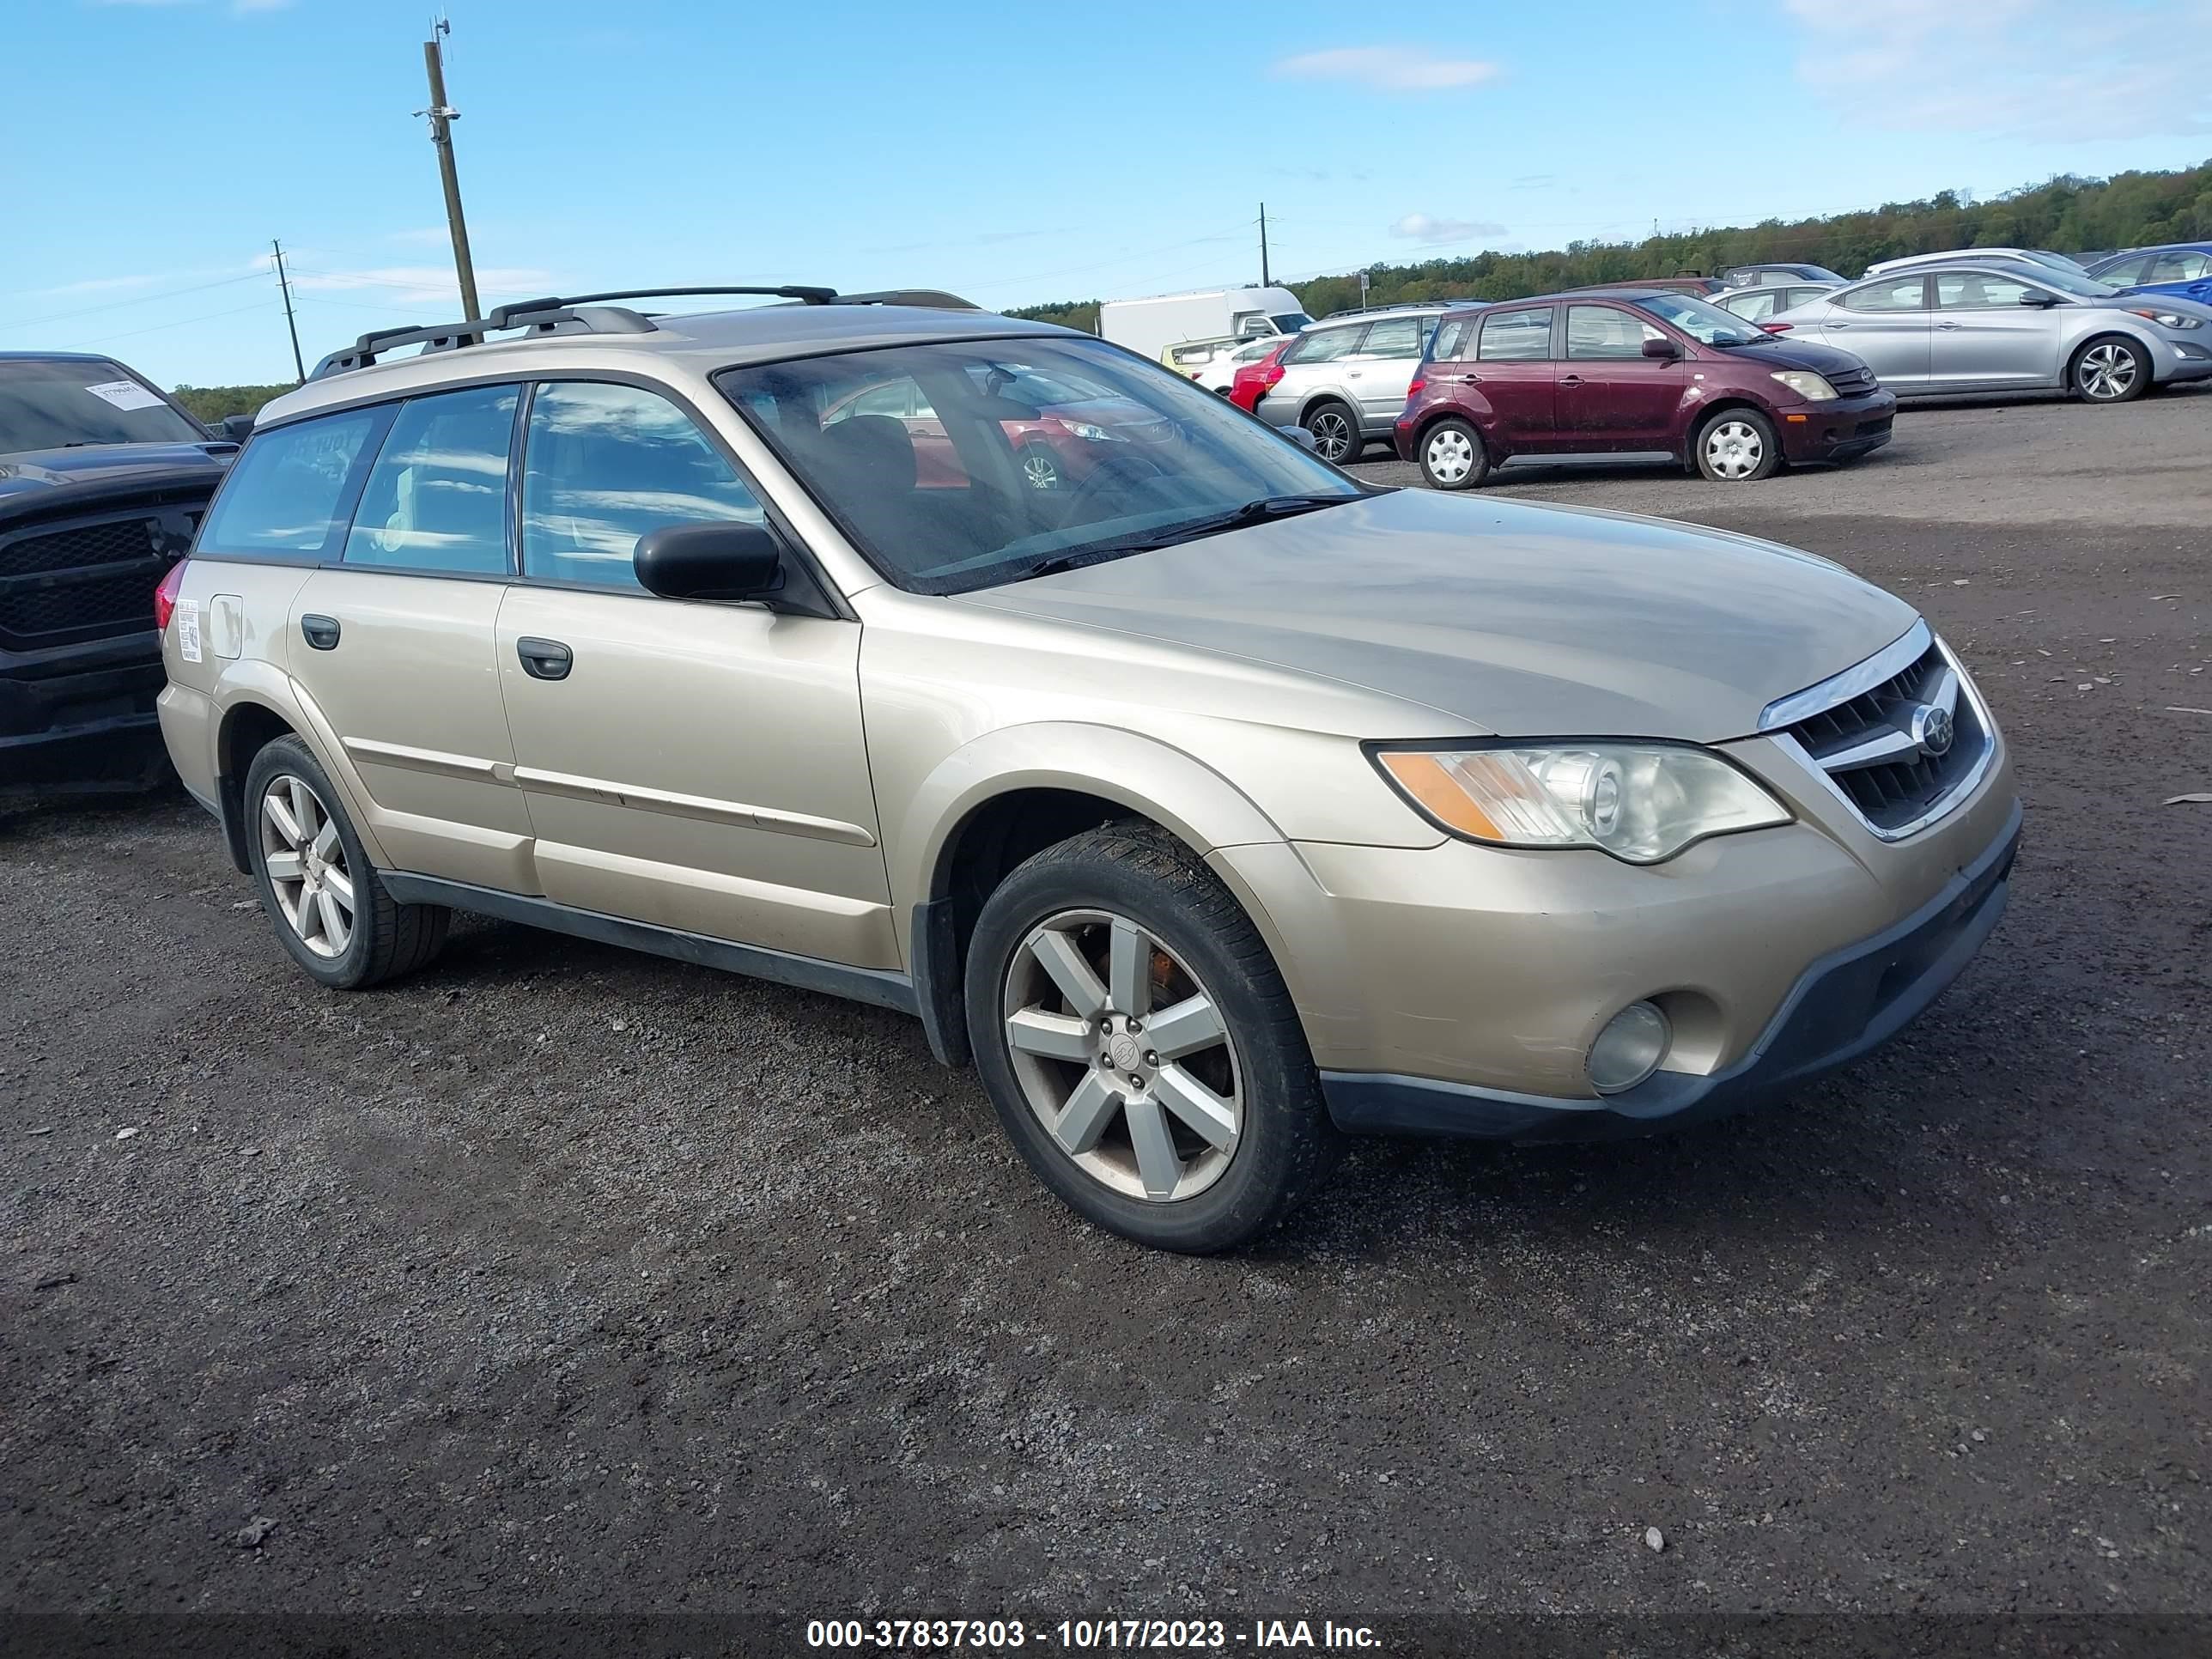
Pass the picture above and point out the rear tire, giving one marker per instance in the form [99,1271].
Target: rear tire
[2110,369]
[1335,429]
[1453,456]
[1191,1119]
[1737,445]
[329,908]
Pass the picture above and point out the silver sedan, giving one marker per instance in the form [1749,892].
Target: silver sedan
[1978,326]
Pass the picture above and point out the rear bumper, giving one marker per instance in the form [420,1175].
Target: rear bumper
[81,717]
[1843,1006]
[1840,430]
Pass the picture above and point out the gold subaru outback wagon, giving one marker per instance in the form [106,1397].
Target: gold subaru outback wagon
[1215,804]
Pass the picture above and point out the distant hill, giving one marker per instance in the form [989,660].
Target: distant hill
[2067,216]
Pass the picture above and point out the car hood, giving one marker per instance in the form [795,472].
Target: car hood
[1505,618]
[36,471]
[1789,352]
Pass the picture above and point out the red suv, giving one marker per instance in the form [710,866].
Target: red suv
[1645,370]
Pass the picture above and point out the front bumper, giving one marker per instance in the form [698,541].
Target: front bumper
[2179,363]
[1839,430]
[1845,1005]
[80,716]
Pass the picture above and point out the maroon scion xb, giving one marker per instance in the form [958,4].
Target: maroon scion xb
[1633,371]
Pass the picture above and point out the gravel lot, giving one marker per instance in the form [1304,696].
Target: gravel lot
[563,1277]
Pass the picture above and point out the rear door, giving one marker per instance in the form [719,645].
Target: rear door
[1510,384]
[1887,323]
[1379,372]
[1985,339]
[393,643]
[694,765]
[1611,396]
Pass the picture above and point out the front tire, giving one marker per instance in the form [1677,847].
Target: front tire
[324,897]
[1040,468]
[1139,1046]
[1453,456]
[2111,369]
[1737,445]
[1335,429]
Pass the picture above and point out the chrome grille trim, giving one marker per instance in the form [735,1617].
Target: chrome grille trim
[1856,681]
[1951,683]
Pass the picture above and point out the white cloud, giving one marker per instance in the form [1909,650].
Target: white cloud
[1388,69]
[1426,228]
[405,286]
[2052,69]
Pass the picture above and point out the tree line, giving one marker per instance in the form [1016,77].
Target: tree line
[2067,215]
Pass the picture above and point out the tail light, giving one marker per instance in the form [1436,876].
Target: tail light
[1416,386]
[1777,328]
[165,597]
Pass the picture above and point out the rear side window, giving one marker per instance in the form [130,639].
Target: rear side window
[287,492]
[437,497]
[1399,337]
[1761,303]
[604,464]
[1452,341]
[1601,333]
[1899,294]
[1513,337]
[1324,345]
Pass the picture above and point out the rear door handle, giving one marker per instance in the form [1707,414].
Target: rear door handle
[1571,379]
[321,632]
[545,660]
[1950,325]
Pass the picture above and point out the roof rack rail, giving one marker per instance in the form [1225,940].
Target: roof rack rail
[594,313]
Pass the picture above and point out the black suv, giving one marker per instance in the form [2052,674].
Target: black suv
[102,482]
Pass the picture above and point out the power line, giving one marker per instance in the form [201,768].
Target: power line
[181,322]
[137,300]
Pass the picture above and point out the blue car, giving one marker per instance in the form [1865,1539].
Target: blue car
[2182,268]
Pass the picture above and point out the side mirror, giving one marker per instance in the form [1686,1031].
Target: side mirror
[235,429]
[2040,300]
[710,562]
[1661,347]
[1302,438]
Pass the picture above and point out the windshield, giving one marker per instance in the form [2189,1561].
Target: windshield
[61,403]
[2055,261]
[1706,325]
[1290,322]
[948,477]
[2074,281]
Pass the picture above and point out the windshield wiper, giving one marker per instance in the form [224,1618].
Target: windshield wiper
[1190,530]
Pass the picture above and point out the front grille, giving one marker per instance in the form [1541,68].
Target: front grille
[88,579]
[1853,382]
[1901,750]
[1871,428]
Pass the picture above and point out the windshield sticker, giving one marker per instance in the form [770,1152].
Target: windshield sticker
[126,394]
[188,629]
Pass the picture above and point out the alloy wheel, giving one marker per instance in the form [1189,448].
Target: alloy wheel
[306,862]
[1332,434]
[1040,470]
[2107,371]
[1734,449]
[1123,1056]
[1451,456]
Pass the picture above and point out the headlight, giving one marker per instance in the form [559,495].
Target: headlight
[1097,434]
[1641,802]
[2172,319]
[1813,388]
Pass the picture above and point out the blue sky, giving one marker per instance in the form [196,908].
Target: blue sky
[1012,153]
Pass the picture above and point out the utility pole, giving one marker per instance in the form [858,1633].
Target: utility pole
[1264,281]
[441,134]
[284,286]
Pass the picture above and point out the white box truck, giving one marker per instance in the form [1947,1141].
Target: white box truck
[1151,327]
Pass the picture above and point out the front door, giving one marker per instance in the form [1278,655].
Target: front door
[1984,337]
[1611,396]
[1886,322]
[393,643]
[693,765]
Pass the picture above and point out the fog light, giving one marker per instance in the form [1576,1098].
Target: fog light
[1629,1049]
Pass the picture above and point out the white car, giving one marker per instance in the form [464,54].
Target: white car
[1756,302]
[2033,256]
[1220,372]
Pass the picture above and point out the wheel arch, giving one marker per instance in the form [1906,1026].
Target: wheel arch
[990,805]
[1709,412]
[2142,344]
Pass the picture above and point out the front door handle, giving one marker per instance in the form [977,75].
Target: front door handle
[1947,327]
[321,632]
[543,660]
[1571,379]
